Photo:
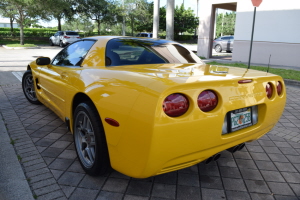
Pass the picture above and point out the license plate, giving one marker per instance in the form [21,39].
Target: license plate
[240,118]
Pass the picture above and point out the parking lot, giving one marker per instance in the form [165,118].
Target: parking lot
[268,168]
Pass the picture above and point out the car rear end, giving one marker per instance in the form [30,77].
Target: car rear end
[218,116]
[70,37]
[197,117]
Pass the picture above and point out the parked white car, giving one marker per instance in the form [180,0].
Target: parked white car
[63,38]
[144,35]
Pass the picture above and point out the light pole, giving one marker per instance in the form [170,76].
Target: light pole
[255,3]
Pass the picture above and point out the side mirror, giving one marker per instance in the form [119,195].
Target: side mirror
[43,61]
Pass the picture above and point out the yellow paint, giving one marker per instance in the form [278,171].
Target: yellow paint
[148,142]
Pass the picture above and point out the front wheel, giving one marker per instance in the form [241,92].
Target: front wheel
[218,48]
[90,141]
[28,87]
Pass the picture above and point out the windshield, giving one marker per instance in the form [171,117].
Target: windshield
[129,51]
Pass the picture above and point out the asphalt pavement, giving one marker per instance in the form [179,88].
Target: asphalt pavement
[38,159]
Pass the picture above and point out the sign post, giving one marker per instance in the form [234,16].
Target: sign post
[255,3]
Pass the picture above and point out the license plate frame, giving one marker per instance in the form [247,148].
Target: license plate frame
[240,119]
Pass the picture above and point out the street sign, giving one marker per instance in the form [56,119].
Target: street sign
[256,3]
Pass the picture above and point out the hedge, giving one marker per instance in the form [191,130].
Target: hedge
[39,32]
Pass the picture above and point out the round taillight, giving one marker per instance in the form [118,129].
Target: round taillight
[175,105]
[269,90]
[207,100]
[279,88]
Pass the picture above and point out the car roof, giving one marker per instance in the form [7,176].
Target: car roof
[107,38]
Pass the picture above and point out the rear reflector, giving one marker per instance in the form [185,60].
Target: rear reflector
[245,81]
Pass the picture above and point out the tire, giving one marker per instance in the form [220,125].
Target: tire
[51,43]
[90,141]
[28,88]
[61,44]
[218,48]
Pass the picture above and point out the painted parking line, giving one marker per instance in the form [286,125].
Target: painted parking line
[18,75]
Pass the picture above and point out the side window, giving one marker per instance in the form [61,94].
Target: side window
[56,34]
[74,54]
[61,33]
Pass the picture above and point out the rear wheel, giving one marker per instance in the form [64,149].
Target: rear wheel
[61,44]
[218,48]
[51,43]
[28,87]
[90,141]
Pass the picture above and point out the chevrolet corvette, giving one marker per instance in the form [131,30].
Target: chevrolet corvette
[146,106]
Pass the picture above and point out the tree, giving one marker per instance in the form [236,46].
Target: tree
[7,10]
[139,14]
[98,10]
[184,20]
[79,24]
[225,24]
[61,9]
[24,10]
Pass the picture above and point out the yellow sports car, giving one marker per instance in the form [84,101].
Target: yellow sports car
[148,106]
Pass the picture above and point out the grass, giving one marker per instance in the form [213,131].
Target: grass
[18,45]
[19,157]
[12,142]
[284,73]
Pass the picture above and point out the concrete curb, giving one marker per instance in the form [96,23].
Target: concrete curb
[13,184]
[297,68]
[6,47]
[292,82]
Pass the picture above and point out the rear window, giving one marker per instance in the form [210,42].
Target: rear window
[146,51]
[71,33]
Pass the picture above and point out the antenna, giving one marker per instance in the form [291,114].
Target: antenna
[269,64]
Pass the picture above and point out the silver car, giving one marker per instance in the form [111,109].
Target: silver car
[144,35]
[224,43]
[63,38]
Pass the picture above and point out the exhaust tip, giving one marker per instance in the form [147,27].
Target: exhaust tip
[236,148]
[209,160]
[241,146]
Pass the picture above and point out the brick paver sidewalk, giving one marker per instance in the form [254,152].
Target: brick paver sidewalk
[266,169]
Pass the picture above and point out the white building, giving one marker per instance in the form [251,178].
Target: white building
[276,32]
[4,22]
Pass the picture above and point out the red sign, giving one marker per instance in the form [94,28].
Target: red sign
[256,3]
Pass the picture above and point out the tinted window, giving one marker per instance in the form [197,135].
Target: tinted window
[73,54]
[146,51]
[225,38]
[71,33]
